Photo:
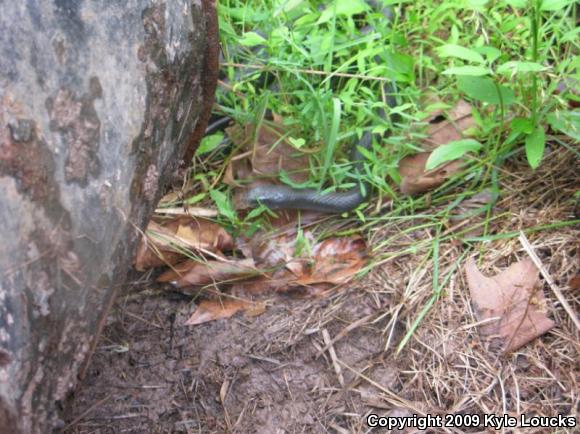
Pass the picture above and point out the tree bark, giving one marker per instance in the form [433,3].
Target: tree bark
[98,102]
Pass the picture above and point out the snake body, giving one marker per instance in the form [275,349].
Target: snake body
[285,197]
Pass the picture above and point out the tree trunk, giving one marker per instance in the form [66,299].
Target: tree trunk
[99,100]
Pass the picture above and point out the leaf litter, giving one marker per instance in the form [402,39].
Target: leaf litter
[210,310]
[165,243]
[511,303]
[284,256]
[415,178]
[265,151]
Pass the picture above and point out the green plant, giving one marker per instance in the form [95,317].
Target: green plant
[491,77]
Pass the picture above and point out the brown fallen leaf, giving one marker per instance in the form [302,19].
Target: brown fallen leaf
[166,242]
[193,273]
[516,298]
[200,234]
[459,120]
[335,261]
[210,310]
[149,255]
[255,309]
[275,243]
[417,180]
[177,194]
[574,282]
[264,155]
[264,284]
[412,168]
[268,152]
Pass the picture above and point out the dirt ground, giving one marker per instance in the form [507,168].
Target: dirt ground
[277,373]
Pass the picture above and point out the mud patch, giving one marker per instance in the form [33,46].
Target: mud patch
[259,375]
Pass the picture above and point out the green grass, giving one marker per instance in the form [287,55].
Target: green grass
[327,61]
[505,57]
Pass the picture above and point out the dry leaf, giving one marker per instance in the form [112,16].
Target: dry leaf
[210,310]
[331,261]
[412,168]
[514,296]
[177,195]
[323,264]
[417,180]
[165,243]
[458,120]
[275,243]
[255,309]
[335,261]
[264,155]
[266,283]
[574,282]
[272,153]
[149,255]
[171,197]
[200,234]
[193,273]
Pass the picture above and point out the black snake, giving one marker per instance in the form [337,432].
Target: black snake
[286,197]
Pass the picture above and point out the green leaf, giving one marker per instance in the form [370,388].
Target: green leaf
[478,5]
[451,151]
[255,212]
[554,5]
[287,6]
[518,4]
[522,125]
[490,53]
[459,52]
[246,13]
[331,139]
[279,35]
[484,89]
[251,39]
[343,7]
[223,204]
[467,70]
[513,67]
[567,122]
[286,179]
[209,143]
[319,46]
[535,144]
[400,66]
[393,2]
[194,199]
[570,36]
[297,143]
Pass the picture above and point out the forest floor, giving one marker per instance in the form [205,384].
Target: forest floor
[323,364]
